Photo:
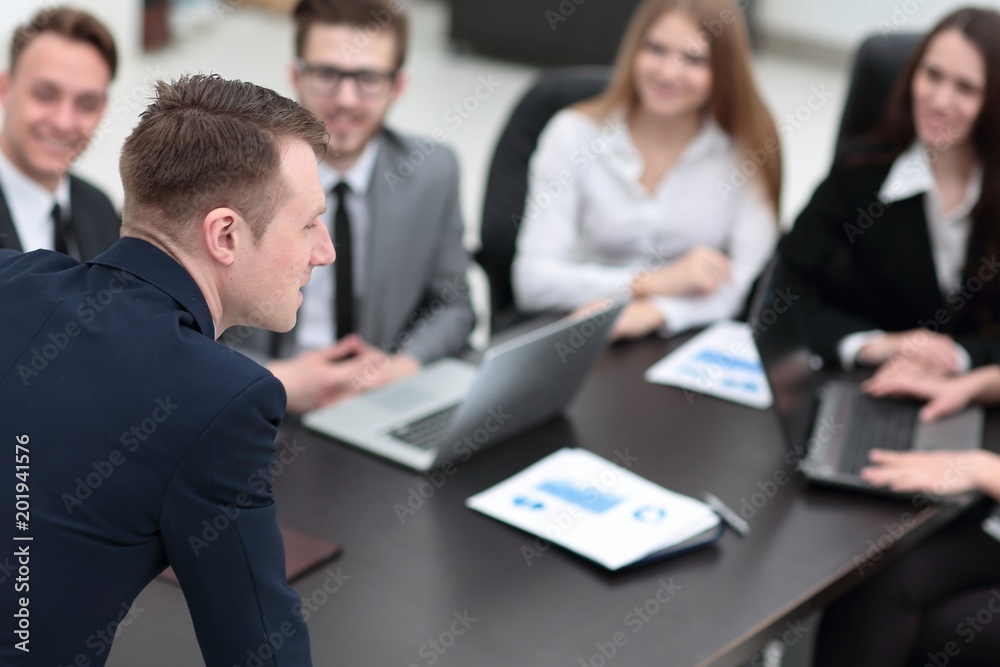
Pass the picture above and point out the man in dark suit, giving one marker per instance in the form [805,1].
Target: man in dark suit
[399,298]
[135,439]
[61,63]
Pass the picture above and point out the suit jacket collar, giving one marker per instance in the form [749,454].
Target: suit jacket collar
[8,235]
[8,232]
[146,261]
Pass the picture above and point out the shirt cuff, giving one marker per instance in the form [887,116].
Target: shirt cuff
[849,346]
[964,361]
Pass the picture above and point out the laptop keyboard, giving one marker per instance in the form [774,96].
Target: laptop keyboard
[877,423]
[426,432]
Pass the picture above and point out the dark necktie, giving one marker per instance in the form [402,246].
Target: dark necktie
[65,241]
[344,273]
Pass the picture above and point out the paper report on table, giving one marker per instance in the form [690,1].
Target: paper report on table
[601,511]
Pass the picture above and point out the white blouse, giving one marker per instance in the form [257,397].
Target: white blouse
[589,225]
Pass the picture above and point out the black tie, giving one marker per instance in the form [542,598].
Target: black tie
[344,273]
[65,241]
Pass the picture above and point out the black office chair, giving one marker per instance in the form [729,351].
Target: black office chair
[507,184]
[877,64]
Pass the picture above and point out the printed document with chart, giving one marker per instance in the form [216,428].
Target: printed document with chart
[721,361]
[587,504]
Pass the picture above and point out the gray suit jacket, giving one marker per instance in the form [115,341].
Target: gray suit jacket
[416,295]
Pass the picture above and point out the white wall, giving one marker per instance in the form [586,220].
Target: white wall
[123,18]
[842,24]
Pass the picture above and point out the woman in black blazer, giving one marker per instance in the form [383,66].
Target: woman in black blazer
[896,259]
[897,253]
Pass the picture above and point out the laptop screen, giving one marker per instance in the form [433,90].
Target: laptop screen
[790,367]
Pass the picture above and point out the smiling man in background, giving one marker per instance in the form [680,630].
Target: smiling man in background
[53,95]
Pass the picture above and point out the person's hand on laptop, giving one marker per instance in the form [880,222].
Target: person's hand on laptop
[936,352]
[940,472]
[945,395]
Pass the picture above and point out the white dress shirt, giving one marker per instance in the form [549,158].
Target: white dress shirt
[590,226]
[911,175]
[316,327]
[31,205]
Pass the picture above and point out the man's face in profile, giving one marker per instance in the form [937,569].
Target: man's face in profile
[353,108]
[54,98]
[271,272]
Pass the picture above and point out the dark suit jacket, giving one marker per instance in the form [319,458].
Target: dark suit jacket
[92,216]
[147,442]
[859,265]
[416,296]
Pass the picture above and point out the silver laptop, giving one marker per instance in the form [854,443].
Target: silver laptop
[453,409]
[831,423]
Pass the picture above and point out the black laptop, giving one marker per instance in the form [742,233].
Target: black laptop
[828,420]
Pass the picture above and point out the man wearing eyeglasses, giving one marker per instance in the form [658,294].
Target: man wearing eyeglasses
[396,297]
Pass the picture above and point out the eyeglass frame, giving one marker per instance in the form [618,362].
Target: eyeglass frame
[390,76]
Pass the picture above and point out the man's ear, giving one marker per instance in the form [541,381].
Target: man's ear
[293,70]
[224,232]
[399,85]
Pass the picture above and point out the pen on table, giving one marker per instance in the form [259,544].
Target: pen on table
[732,519]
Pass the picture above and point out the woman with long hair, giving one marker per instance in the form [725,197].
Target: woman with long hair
[896,254]
[665,188]
[897,258]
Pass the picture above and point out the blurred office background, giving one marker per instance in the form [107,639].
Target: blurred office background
[471,60]
[802,60]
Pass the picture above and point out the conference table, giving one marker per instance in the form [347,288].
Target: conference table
[422,580]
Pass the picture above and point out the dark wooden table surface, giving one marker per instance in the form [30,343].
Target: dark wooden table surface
[439,584]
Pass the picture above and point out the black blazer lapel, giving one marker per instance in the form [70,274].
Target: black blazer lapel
[8,235]
[901,243]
